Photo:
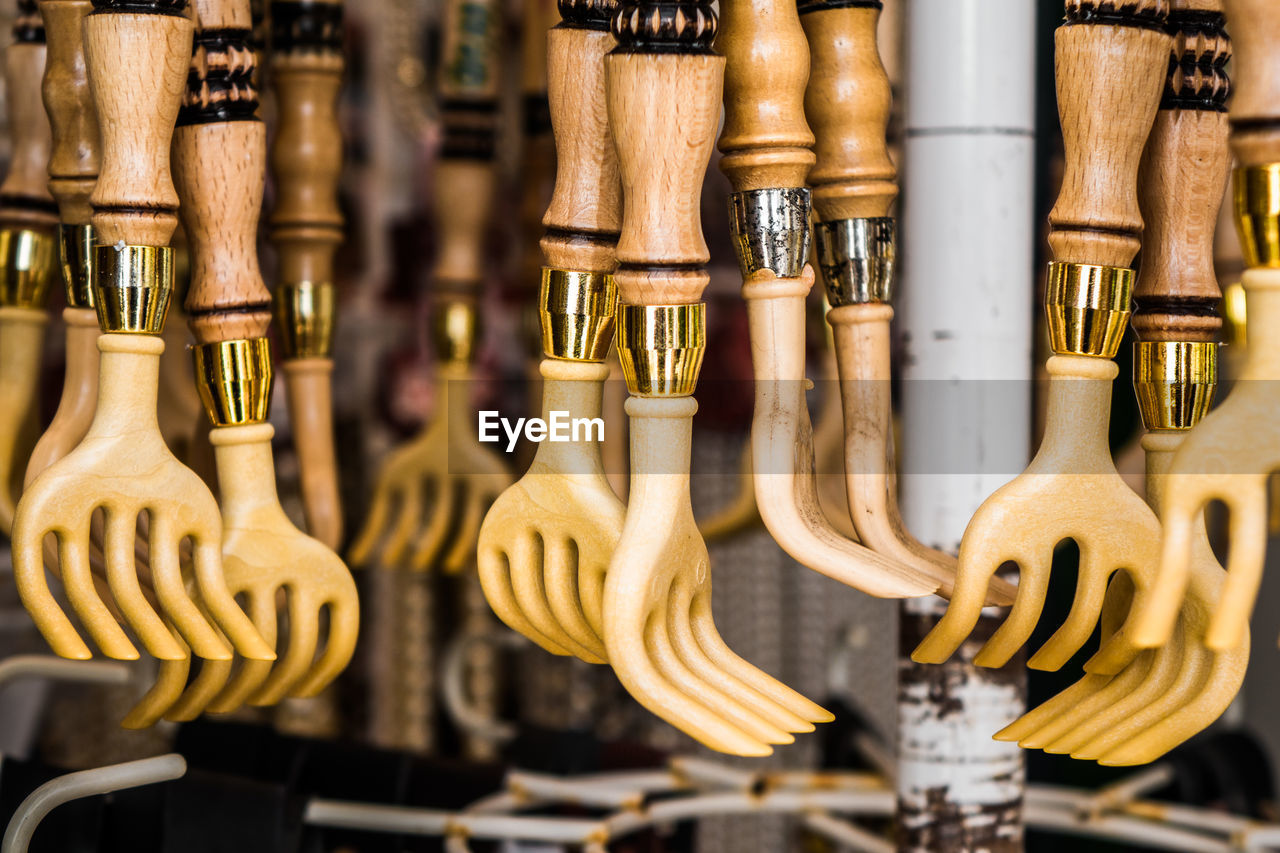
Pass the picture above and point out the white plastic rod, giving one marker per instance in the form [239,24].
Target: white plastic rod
[53,668]
[85,783]
[966,295]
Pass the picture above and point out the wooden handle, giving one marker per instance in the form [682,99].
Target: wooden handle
[73,165]
[1110,61]
[24,196]
[1184,170]
[766,140]
[219,161]
[664,87]
[585,214]
[465,178]
[306,157]
[137,52]
[1255,104]
[848,102]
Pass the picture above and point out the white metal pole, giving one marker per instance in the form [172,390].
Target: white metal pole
[966,310]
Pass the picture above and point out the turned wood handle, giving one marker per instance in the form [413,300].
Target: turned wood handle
[1183,173]
[1255,104]
[465,178]
[766,140]
[664,88]
[306,156]
[73,165]
[25,201]
[848,102]
[219,161]
[137,52]
[585,214]
[1110,61]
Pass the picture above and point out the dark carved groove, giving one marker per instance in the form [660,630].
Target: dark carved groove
[144,7]
[302,26]
[664,26]
[470,129]
[804,7]
[1197,67]
[14,202]
[28,26]
[220,80]
[586,14]
[1144,14]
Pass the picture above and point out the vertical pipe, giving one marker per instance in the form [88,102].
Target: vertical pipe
[966,311]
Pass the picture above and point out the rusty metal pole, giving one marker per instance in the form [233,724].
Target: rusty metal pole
[966,308]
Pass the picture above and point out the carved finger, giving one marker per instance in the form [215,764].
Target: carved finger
[33,589]
[261,605]
[362,549]
[408,519]
[82,594]
[122,578]
[304,636]
[560,576]
[463,548]
[1115,689]
[495,581]
[1013,633]
[1086,609]
[974,570]
[171,678]
[344,628]
[207,561]
[1034,720]
[434,535]
[527,561]
[1246,556]
[1154,622]
[175,603]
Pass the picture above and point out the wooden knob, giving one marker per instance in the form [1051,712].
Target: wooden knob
[219,161]
[24,196]
[73,165]
[465,178]
[585,213]
[137,52]
[766,140]
[1110,61]
[1255,105]
[664,87]
[1183,173]
[848,102]
[306,156]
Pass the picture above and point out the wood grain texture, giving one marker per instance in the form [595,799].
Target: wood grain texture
[766,141]
[306,154]
[77,142]
[1183,174]
[137,72]
[663,111]
[585,214]
[25,201]
[1109,79]
[1255,106]
[848,102]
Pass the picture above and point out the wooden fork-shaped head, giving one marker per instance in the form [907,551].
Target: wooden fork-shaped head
[27,255]
[1165,695]
[265,558]
[122,466]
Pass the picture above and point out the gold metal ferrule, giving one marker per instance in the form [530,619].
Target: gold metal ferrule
[133,286]
[1256,197]
[661,348]
[304,314]
[26,267]
[1088,308]
[234,380]
[75,253]
[576,313]
[1175,381]
[455,327]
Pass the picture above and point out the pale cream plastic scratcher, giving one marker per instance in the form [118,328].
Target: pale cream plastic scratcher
[658,624]
[263,556]
[1069,491]
[422,484]
[124,467]
[861,343]
[546,543]
[1227,457]
[21,345]
[1166,695]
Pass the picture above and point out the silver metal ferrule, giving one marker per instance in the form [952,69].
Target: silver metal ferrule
[771,230]
[856,259]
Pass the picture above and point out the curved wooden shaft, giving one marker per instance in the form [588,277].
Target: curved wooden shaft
[848,101]
[664,87]
[137,65]
[766,140]
[306,156]
[1110,61]
[1184,170]
[465,180]
[585,214]
[24,196]
[219,160]
[74,162]
[1255,103]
